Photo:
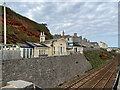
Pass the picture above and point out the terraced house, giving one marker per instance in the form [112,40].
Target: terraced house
[51,47]
[56,46]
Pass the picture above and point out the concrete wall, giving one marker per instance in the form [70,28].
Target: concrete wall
[45,72]
[9,54]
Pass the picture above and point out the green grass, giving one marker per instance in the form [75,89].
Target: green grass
[94,57]
[61,84]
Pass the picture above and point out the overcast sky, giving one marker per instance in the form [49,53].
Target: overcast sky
[96,21]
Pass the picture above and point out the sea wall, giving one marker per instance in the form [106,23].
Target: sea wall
[46,72]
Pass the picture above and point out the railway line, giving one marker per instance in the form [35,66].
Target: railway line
[101,78]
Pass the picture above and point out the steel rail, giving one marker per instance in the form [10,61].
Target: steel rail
[108,79]
[88,75]
[102,77]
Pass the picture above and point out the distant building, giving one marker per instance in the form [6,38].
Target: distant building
[74,40]
[94,45]
[75,43]
[56,36]
[103,45]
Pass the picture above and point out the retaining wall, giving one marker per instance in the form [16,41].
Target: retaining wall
[45,72]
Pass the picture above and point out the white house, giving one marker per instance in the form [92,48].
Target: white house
[56,46]
[38,49]
[103,45]
[74,49]
[109,49]
[25,50]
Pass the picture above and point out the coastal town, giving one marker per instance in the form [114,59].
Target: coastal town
[61,61]
[60,45]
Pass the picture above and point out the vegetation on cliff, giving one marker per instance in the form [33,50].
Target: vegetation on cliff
[98,57]
[21,29]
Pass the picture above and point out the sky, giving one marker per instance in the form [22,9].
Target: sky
[96,21]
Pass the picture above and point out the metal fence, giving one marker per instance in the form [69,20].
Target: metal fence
[116,85]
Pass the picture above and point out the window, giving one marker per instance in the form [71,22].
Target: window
[44,52]
[30,53]
[68,39]
[75,49]
[39,52]
[54,50]
[23,52]
[27,53]
[60,50]
[41,39]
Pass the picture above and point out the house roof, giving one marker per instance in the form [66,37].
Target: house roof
[60,36]
[23,45]
[37,45]
[66,36]
[94,43]
[52,40]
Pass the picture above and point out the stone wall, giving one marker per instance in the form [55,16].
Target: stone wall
[46,72]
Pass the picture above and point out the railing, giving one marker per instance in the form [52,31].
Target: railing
[9,51]
[9,54]
[117,81]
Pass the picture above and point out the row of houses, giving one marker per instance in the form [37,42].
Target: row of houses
[79,41]
[64,45]
[52,47]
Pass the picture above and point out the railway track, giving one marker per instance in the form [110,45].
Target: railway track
[98,78]
[101,83]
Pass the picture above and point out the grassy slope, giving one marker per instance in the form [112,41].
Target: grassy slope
[21,29]
[94,57]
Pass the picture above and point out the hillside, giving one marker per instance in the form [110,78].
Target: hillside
[21,29]
[99,57]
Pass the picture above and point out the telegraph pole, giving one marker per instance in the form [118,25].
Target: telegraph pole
[4,22]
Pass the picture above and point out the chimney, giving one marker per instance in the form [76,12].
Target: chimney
[80,37]
[63,33]
[42,37]
[41,34]
[75,34]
